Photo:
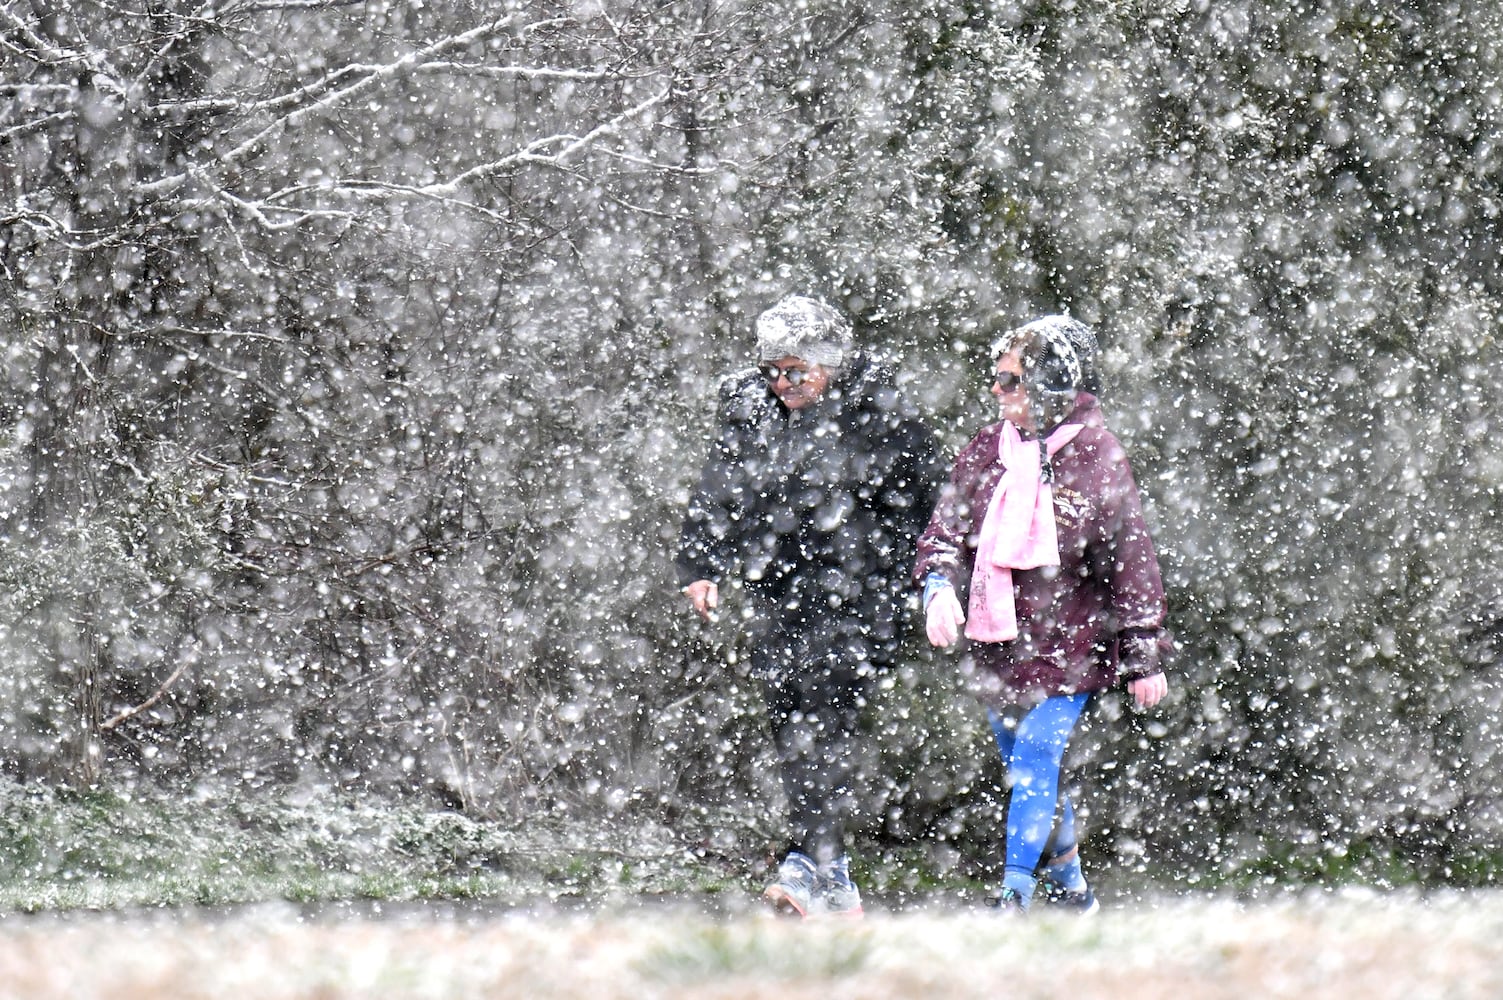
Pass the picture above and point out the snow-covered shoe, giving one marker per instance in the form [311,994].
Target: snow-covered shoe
[1082,903]
[1008,903]
[837,899]
[792,895]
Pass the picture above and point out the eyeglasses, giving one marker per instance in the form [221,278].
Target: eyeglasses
[795,376]
[1006,381]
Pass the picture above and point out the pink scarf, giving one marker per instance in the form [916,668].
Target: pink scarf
[1018,532]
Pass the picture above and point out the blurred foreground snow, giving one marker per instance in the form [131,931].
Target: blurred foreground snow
[1358,944]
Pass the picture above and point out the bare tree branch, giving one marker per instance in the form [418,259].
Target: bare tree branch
[35,125]
[126,714]
[300,97]
[445,192]
[102,76]
[235,10]
[528,154]
[370,78]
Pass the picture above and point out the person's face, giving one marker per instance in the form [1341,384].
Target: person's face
[1012,395]
[783,373]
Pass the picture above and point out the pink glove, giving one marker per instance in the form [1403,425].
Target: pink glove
[945,617]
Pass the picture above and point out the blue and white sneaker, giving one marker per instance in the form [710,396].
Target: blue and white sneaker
[793,893]
[837,895]
[1082,902]
[839,899]
[1008,903]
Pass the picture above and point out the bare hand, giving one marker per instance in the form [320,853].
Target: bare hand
[1148,691]
[705,596]
[944,618]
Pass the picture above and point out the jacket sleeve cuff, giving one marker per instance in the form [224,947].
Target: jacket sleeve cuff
[688,574]
[933,584]
[1138,655]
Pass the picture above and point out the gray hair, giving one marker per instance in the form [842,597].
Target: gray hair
[801,327]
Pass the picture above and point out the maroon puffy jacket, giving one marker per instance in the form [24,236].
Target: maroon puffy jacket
[1082,625]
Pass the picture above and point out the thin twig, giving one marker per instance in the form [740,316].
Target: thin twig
[127,714]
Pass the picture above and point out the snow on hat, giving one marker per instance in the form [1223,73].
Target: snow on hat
[801,327]
[1063,356]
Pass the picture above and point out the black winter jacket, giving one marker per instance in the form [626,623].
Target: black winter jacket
[817,510]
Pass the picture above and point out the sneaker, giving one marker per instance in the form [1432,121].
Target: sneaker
[792,895]
[839,899]
[1082,903]
[1008,903]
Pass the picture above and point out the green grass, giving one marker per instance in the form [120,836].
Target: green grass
[62,849]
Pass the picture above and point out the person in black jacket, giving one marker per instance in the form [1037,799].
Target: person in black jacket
[817,486]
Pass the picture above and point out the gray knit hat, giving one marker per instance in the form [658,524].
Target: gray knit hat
[801,327]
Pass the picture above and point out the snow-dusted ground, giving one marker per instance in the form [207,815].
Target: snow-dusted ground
[1354,945]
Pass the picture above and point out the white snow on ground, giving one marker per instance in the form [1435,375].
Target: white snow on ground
[1357,944]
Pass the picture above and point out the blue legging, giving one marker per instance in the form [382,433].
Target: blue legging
[1039,817]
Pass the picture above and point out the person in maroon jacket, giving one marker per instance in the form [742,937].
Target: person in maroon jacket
[1038,550]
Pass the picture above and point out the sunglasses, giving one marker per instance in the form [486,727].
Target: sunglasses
[795,376]
[1050,378]
[1006,381]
